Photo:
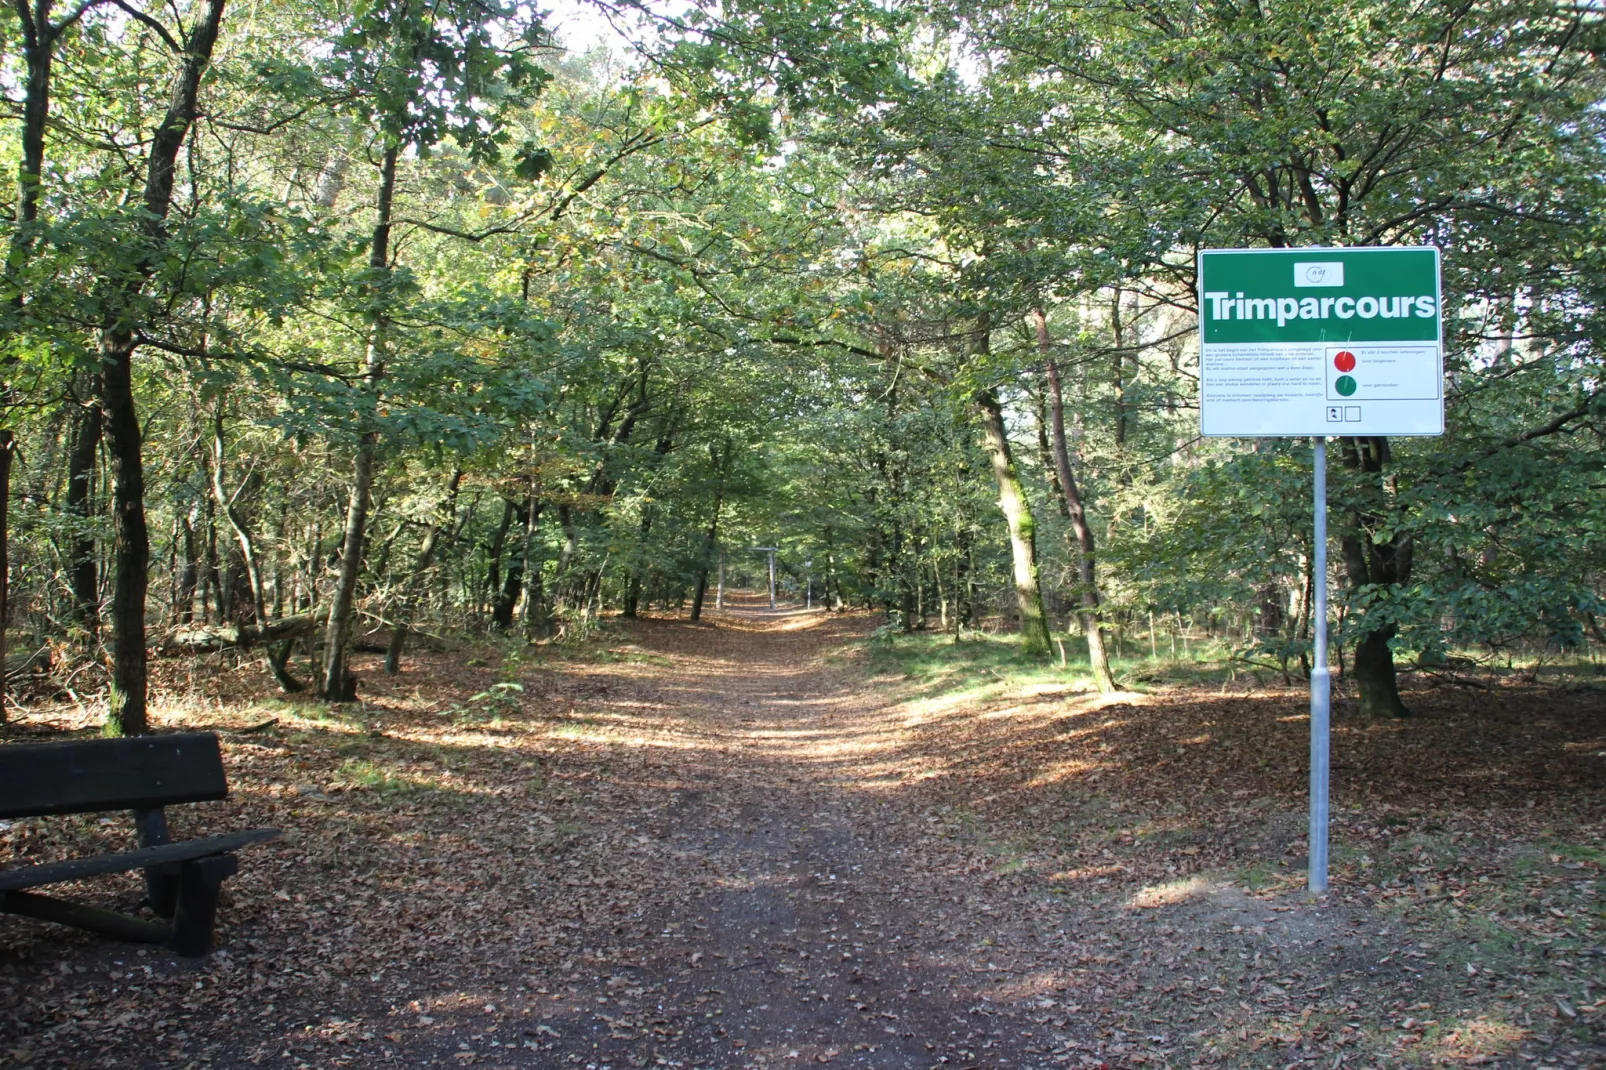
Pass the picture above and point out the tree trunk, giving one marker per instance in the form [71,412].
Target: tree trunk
[1076,513]
[633,584]
[710,540]
[213,581]
[1369,561]
[1375,682]
[1118,336]
[225,636]
[242,533]
[507,599]
[184,589]
[126,713]
[535,618]
[565,556]
[38,48]
[495,551]
[82,575]
[339,685]
[964,578]
[1022,532]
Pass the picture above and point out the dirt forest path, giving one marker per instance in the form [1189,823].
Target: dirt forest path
[699,849]
[807,908]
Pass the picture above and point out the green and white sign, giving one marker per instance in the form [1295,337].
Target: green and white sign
[1320,342]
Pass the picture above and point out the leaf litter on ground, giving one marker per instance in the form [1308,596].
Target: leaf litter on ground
[750,846]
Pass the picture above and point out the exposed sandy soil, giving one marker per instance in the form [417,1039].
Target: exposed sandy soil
[732,846]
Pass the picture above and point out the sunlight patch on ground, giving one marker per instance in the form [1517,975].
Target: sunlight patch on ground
[1122,698]
[1004,713]
[1478,1039]
[1078,733]
[1042,690]
[583,732]
[1170,894]
[1087,873]
[1038,985]
[1062,772]
[929,709]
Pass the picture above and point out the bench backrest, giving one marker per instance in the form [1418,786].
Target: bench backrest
[89,775]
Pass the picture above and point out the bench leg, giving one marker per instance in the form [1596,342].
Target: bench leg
[161,882]
[199,882]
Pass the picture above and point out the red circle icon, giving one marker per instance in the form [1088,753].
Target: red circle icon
[1344,361]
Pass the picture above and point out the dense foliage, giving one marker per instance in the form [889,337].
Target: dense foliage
[331,322]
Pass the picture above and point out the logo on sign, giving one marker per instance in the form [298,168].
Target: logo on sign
[1324,273]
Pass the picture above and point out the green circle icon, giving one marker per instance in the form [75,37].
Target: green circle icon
[1345,385]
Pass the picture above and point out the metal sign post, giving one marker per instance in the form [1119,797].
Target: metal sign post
[1321,683]
[1310,343]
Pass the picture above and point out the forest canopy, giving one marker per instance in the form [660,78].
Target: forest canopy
[352,324]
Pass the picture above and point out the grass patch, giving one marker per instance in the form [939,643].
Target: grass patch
[1587,854]
[493,706]
[361,774]
[935,664]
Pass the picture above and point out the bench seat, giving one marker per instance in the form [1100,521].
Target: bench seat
[76,869]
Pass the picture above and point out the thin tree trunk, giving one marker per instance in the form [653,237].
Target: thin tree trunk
[710,540]
[508,597]
[1086,555]
[82,574]
[211,582]
[633,584]
[1118,336]
[184,590]
[1022,531]
[565,555]
[535,619]
[126,712]
[665,443]
[495,551]
[339,685]
[242,534]
[964,579]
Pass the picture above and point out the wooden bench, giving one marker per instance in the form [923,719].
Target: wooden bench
[142,774]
